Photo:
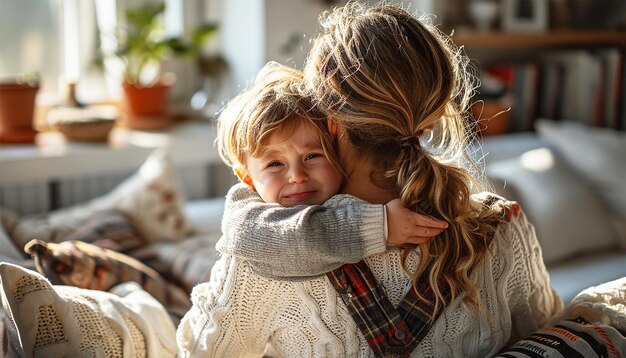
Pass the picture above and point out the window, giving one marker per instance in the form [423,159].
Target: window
[30,39]
[69,41]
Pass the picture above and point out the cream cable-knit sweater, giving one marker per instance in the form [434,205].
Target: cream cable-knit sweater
[238,312]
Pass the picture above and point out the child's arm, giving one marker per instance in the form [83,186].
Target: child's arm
[306,241]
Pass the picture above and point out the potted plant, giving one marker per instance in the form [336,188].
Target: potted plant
[17,108]
[143,49]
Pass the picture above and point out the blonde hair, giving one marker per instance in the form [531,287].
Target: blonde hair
[274,103]
[401,89]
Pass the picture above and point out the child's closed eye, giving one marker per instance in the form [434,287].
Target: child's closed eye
[313,156]
[273,164]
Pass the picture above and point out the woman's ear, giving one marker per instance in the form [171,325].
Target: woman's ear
[245,178]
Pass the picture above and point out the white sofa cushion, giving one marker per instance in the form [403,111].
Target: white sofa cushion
[568,216]
[205,216]
[63,321]
[596,154]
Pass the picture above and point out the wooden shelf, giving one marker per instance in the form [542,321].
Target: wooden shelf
[505,40]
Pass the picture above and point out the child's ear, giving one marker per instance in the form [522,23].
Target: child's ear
[240,172]
[333,127]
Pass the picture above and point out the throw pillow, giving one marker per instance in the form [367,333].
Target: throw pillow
[152,197]
[111,229]
[76,263]
[592,325]
[570,338]
[188,262]
[596,154]
[568,216]
[43,320]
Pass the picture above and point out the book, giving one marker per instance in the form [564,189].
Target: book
[580,84]
[549,90]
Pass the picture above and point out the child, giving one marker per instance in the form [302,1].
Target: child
[278,145]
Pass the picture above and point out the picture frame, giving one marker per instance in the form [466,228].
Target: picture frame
[525,15]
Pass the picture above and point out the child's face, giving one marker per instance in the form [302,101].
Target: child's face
[294,170]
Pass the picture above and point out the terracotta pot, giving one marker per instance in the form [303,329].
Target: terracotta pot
[146,101]
[146,106]
[17,106]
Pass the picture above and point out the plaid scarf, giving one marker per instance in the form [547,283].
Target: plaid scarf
[390,332]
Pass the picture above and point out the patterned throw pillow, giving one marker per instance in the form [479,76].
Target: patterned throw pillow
[187,262]
[76,263]
[42,320]
[570,338]
[112,229]
[593,324]
[153,198]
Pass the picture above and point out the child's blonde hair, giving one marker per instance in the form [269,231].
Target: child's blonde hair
[275,103]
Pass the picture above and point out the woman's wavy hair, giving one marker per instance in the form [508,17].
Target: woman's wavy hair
[274,103]
[401,89]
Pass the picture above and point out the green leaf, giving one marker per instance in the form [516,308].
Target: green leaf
[143,41]
[202,34]
[144,15]
[177,46]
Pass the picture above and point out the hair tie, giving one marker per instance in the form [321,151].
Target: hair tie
[410,142]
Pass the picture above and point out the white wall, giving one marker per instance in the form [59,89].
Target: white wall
[243,38]
[291,22]
[254,32]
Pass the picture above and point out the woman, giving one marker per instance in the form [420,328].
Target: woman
[395,91]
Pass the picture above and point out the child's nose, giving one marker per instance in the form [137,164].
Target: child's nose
[298,175]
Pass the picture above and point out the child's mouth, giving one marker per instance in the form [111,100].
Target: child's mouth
[300,196]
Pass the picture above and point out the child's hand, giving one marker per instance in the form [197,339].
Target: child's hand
[408,227]
[512,210]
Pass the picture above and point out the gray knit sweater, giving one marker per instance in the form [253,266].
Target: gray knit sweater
[300,242]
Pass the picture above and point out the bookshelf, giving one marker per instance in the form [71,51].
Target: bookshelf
[500,40]
[561,74]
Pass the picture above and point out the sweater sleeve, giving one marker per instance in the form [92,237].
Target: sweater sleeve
[299,242]
[532,301]
[214,326]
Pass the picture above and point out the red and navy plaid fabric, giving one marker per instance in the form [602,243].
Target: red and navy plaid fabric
[390,332]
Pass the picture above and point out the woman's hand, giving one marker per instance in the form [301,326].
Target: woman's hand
[408,227]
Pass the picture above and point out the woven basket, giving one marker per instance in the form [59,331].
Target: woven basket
[86,131]
[84,124]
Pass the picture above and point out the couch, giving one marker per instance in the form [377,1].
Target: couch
[568,179]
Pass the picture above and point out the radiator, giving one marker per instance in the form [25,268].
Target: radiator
[33,198]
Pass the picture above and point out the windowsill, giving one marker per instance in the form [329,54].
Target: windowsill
[189,143]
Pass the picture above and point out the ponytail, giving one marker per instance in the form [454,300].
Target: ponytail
[433,186]
[435,189]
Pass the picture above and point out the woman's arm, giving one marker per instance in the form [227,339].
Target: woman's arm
[303,241]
